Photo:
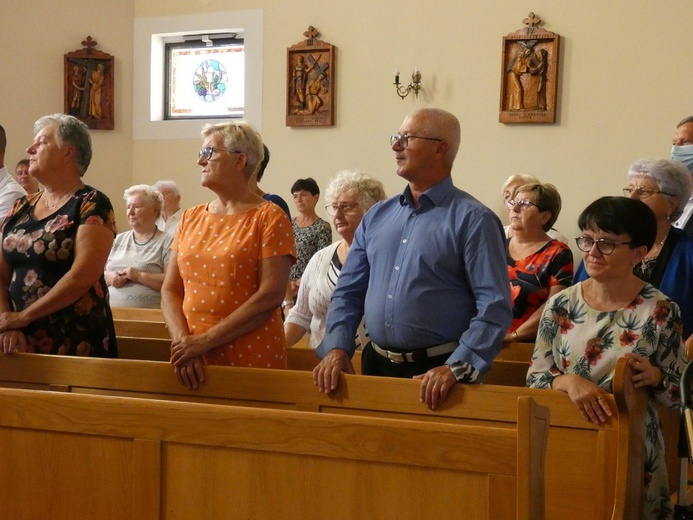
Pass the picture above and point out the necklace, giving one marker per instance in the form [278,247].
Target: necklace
[53,205]
[652,259]
[146,241]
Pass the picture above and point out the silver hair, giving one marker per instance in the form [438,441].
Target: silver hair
[71,132]
[151,195]
[365,188]
[170,185]
[672,177]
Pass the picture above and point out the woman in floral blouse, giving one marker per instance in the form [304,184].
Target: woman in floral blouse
[538,266]
[585,329]
[53,296]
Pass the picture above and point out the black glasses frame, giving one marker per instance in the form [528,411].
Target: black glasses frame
[208,151]
[403,140]
[604,246]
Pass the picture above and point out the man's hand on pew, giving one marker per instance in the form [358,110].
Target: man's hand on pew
[191,373]
[12,341]
[326,374]
[435,385]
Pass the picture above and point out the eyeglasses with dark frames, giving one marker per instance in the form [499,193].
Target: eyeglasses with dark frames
[403,140]
[208,151]
[605,247]
[523,204]
[643,193]
[345,208]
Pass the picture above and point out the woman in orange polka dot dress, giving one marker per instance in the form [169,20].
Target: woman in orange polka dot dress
[229,265]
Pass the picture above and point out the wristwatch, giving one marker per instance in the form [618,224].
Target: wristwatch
[287,302]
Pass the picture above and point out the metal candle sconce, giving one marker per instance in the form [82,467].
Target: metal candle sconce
[415,85]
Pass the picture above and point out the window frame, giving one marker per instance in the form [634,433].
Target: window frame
[148,82]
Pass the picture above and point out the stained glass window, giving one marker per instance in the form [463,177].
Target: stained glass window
[205,79]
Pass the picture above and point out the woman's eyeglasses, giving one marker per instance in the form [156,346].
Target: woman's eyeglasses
[643,193]
[208,151]
[604,246]
[344,208]
[522,204]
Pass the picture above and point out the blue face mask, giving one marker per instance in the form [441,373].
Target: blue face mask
[684,154]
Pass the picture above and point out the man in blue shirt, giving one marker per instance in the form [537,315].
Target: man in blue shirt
[427,269]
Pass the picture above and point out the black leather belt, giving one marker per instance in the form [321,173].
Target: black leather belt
[415,356]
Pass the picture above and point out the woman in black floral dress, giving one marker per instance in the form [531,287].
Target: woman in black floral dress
[55,243]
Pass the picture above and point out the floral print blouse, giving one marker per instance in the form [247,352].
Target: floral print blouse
[39,253]
[576,339]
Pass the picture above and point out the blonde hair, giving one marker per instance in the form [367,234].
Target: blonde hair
[241,137]
[513,179]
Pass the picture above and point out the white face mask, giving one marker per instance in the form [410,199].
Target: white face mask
[684,154]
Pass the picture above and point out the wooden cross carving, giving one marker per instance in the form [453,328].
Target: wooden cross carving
[530,22]
[311,34]
[89,43]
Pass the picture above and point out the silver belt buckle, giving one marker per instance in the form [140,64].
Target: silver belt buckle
[394,357]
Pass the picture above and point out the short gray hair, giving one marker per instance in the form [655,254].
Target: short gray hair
[672,177]
[443,125]
[71,132]
[151,195]
[170,185]
[365,188]
[685,121]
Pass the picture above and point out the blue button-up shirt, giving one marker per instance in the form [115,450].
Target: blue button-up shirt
[425,276]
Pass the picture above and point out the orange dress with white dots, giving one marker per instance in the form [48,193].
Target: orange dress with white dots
[218,259]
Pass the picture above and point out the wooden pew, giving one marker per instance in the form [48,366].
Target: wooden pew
[119,458]
[130,313]
[141,323]
[592,472]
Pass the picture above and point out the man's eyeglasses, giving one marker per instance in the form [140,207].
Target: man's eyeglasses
[643,193]
[522,204]
[605,247]
[403,140]
[208,151]
[344,208]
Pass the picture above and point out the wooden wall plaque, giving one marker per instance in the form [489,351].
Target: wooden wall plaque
[310,84]
[89,91]
[529,75]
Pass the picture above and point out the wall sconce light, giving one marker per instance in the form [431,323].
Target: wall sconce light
[415,85]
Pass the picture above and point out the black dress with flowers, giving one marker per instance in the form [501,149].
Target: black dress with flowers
[40,253]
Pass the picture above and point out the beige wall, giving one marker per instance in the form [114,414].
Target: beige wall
[625,81]
[34,36]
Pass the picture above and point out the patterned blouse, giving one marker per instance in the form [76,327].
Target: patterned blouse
[576,339]
[40,253]
[309,240]
[532,277]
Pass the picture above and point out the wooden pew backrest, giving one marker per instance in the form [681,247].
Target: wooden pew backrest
[583,461]
[145,459]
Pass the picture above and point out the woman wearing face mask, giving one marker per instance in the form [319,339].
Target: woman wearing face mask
[682,151]
[664,186]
